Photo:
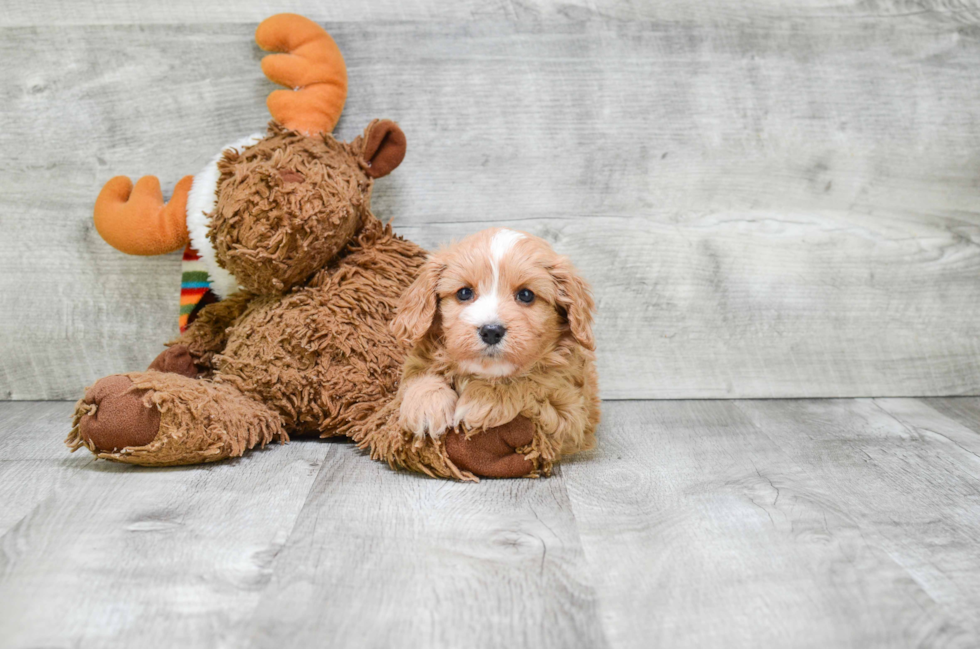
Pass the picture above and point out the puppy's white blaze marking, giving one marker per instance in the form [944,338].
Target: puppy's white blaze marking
[484,310]
[501,244]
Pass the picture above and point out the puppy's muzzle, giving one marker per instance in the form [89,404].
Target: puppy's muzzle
[491,334]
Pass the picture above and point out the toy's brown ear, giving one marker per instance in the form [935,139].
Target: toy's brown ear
[383,149]
[418,304]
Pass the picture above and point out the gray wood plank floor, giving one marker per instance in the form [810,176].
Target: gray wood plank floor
[790,523]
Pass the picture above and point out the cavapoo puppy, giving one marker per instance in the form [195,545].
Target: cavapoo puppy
[501,327]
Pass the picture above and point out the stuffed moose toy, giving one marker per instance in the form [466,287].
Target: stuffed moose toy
[286,330]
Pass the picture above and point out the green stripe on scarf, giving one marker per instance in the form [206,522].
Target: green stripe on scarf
[194,276]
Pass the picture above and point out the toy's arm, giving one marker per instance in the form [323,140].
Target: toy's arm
[208,334]
[192,353]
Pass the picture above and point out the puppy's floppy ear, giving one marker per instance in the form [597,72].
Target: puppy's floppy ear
[418,304]
[574,297]
[383,148]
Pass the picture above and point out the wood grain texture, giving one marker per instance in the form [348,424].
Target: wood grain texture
[817,523]
[379,559]
[965,410]
[910,481]
[778,523]
[770,207]
[32,454]
[101,554]
[116,12]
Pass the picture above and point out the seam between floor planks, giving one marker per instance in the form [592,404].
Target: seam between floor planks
[767,477]
[85,529]
[461,546]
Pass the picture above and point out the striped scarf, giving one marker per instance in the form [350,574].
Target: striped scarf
[195,288]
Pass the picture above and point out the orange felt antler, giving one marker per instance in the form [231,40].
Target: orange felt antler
[135,220]
[312,67]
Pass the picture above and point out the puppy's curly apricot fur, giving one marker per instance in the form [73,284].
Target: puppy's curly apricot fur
[541,368]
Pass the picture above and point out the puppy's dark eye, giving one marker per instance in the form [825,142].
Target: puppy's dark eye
[464,294]
[525,295]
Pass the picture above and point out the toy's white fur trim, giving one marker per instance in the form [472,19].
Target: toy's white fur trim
[484,310]
[200,204]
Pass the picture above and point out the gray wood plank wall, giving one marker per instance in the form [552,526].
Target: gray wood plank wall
[771,198]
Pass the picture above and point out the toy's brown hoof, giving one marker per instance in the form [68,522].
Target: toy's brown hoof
[176,360]
[493,452]
[120,418]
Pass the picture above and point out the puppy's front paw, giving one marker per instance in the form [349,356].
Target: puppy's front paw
[427,407]
[474,412]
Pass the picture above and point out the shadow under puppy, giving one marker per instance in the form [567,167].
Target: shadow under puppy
[501,328]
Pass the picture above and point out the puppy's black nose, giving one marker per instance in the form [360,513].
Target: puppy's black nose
[492,334]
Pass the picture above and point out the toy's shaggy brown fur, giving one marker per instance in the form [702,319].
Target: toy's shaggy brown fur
[310,278]
[305,346]
[286,206]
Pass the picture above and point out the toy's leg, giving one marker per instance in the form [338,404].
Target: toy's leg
[164,419]
[500,452]
[503,452]
[381,435]
[177,359]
